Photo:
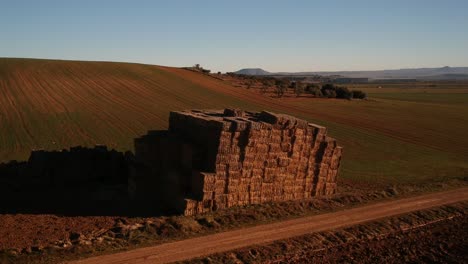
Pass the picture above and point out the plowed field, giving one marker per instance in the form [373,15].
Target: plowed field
[395,136]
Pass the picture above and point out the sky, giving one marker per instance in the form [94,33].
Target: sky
[229,35]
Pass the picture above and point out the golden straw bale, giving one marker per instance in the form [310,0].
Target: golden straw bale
[283,162]
[245,181]
[246,173]
[221,175]
[234,174]
[271,163]
[298,195]
[243,188]
[257,173]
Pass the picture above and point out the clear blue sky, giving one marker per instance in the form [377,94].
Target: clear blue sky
[229,35]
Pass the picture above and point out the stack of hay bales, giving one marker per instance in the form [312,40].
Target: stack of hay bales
[241,158]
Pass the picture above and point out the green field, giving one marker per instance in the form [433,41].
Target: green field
[405,133]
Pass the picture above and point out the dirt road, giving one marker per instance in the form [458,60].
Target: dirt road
[206,245]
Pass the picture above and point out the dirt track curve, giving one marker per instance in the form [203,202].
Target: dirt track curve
[206,245]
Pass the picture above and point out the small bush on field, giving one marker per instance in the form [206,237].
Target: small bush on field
[343,93]
[359,94]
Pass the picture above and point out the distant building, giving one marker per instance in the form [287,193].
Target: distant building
[394,80]
[351,80]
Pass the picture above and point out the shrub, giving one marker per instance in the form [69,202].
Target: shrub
[329,93]
[298,88]
[281,86]
[343,93]
[328,90]
[359,94]
[315,91]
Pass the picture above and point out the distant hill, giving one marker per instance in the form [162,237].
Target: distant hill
[442,73]
[253,71]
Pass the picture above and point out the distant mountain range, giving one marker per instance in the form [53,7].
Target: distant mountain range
[443,73]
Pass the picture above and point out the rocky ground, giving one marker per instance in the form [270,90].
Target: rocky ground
[51,238]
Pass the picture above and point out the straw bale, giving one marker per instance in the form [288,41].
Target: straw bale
[208,203]
[323,171]
[271,163]
[249,155]
[245,181]
[234,174]
[265,133]
[220,185]
[269,173]
[288,188]
[275,132]
[233,112]
[298,195]
[208,195]
[202,182]
[246,173]
[261,148]
[232,199]
[257,173]
[221,175]
[299,182]
[283,162]
[286,146]
[287,132]
[229,150]
[309,187]
[243,187]
[277,198]
[292,168]
[301,174]
[290,177]
[257,166]
[260,158]
[234,166]
[277,190]
[190,204]
[299,132]
[266,199]
[272,155]
[219,204]
[247,166]
[220,167]
[275,139]
[225,135]
[255,194]
[286,139]
[244,196]
[265,126]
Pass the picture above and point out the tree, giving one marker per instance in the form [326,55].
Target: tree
[328,90]
[266,83]
[359,94]
[250,83]
[298,88]
[343,93]
[314,90]
[281,86]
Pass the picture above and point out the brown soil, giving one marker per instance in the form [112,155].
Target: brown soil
[430,236]
[23,230]
[49,238]
[232,240]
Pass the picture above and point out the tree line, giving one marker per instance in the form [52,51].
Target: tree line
[281,85]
